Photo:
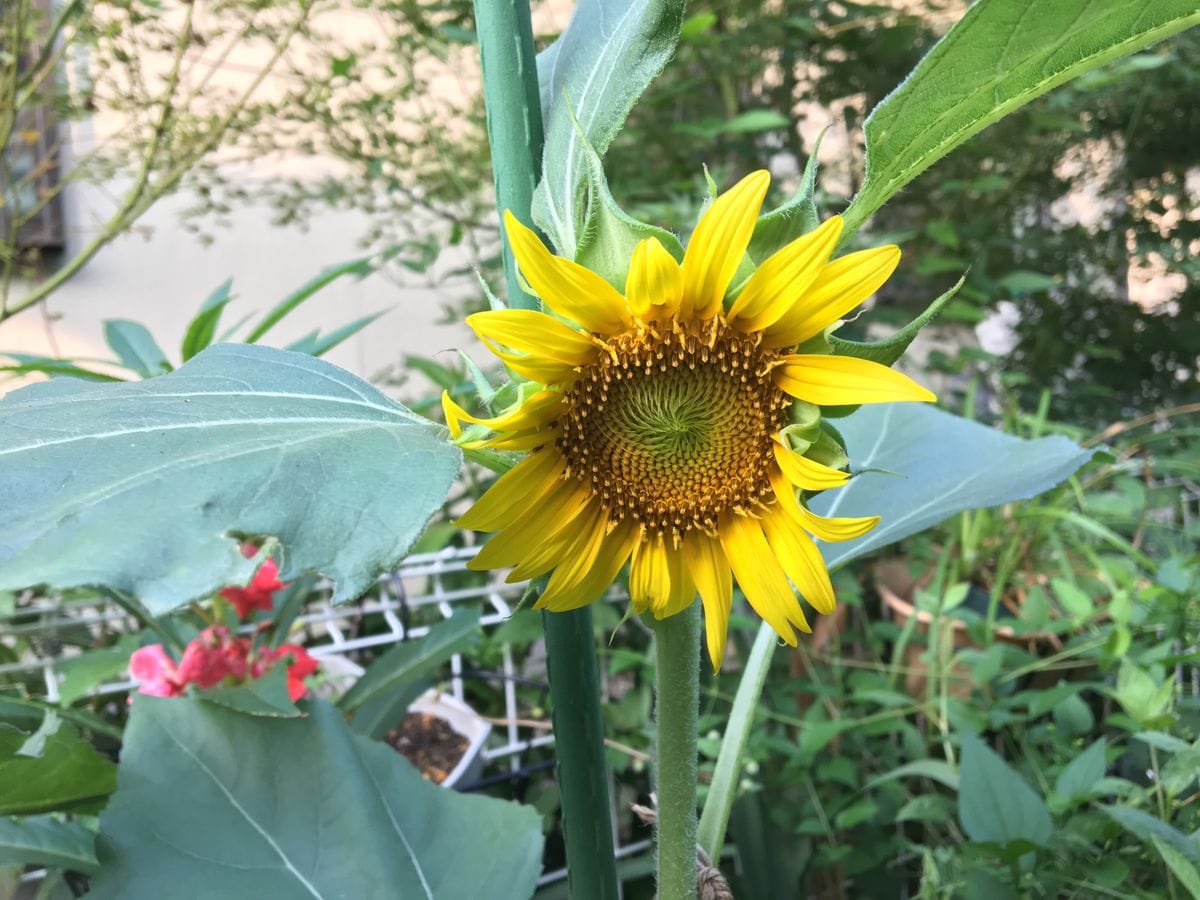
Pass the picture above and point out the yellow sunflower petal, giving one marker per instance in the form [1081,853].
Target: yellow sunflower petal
[514,492]
[453,414]
[565,547]
[709,567]
[556,510]
[716,247]
[535,368]
[845,381]
[538,409]
[761,578]
[840,287]
[563,593]
[521,440]
[782,279]
[801,559]
[833,529]
[654,283]
[533,332]
[649,575]
[806,473]
[683,585]
[566,287]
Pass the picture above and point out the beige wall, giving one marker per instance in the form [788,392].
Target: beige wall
[160,275]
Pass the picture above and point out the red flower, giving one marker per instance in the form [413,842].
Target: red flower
[299,666]
[216,656]
[259,594]
[156,672]
[213,656]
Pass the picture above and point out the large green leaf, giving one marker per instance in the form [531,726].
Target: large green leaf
[64,773]
[262,807]
[926,465]
[46,841]
[144,487]
[598,67]
[995,804]
[1001,55]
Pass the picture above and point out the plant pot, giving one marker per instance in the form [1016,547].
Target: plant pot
[444,738]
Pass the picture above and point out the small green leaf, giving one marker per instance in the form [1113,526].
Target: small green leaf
[406,662]
[84,672]
[1144,699]
[756,120]
[1078,605]
[1163,741]
[611,234]
[856,814]
[136,347]
[933,769]
[1035,611]
[28,363]
[1074,716]
[359,268]
[995,804]
[926,808]
[1080,775]
[67,774]
[35,744]
[955,595]
[47,841]
[944,232]
[203,328]
[889,350]
[317,344]
[697,25]
[1027,282]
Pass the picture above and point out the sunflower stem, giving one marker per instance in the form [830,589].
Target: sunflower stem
[514,117]
[677,645]
[515,134]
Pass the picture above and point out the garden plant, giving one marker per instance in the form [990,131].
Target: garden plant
[694,420]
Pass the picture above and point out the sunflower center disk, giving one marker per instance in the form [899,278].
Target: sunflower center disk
[675,426]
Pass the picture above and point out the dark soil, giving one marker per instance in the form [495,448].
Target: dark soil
[430,744]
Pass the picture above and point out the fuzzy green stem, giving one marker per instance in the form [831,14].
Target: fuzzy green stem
[579,748]
[514,118]
[677,644]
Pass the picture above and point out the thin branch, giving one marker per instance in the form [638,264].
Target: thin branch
[144,194]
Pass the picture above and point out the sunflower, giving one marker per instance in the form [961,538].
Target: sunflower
[657,423]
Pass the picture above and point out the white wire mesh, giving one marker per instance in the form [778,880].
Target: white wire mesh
[380,618]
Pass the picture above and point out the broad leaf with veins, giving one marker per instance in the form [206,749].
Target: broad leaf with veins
[143,487]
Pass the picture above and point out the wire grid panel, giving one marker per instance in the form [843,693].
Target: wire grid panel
[383,614]
[376,620]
